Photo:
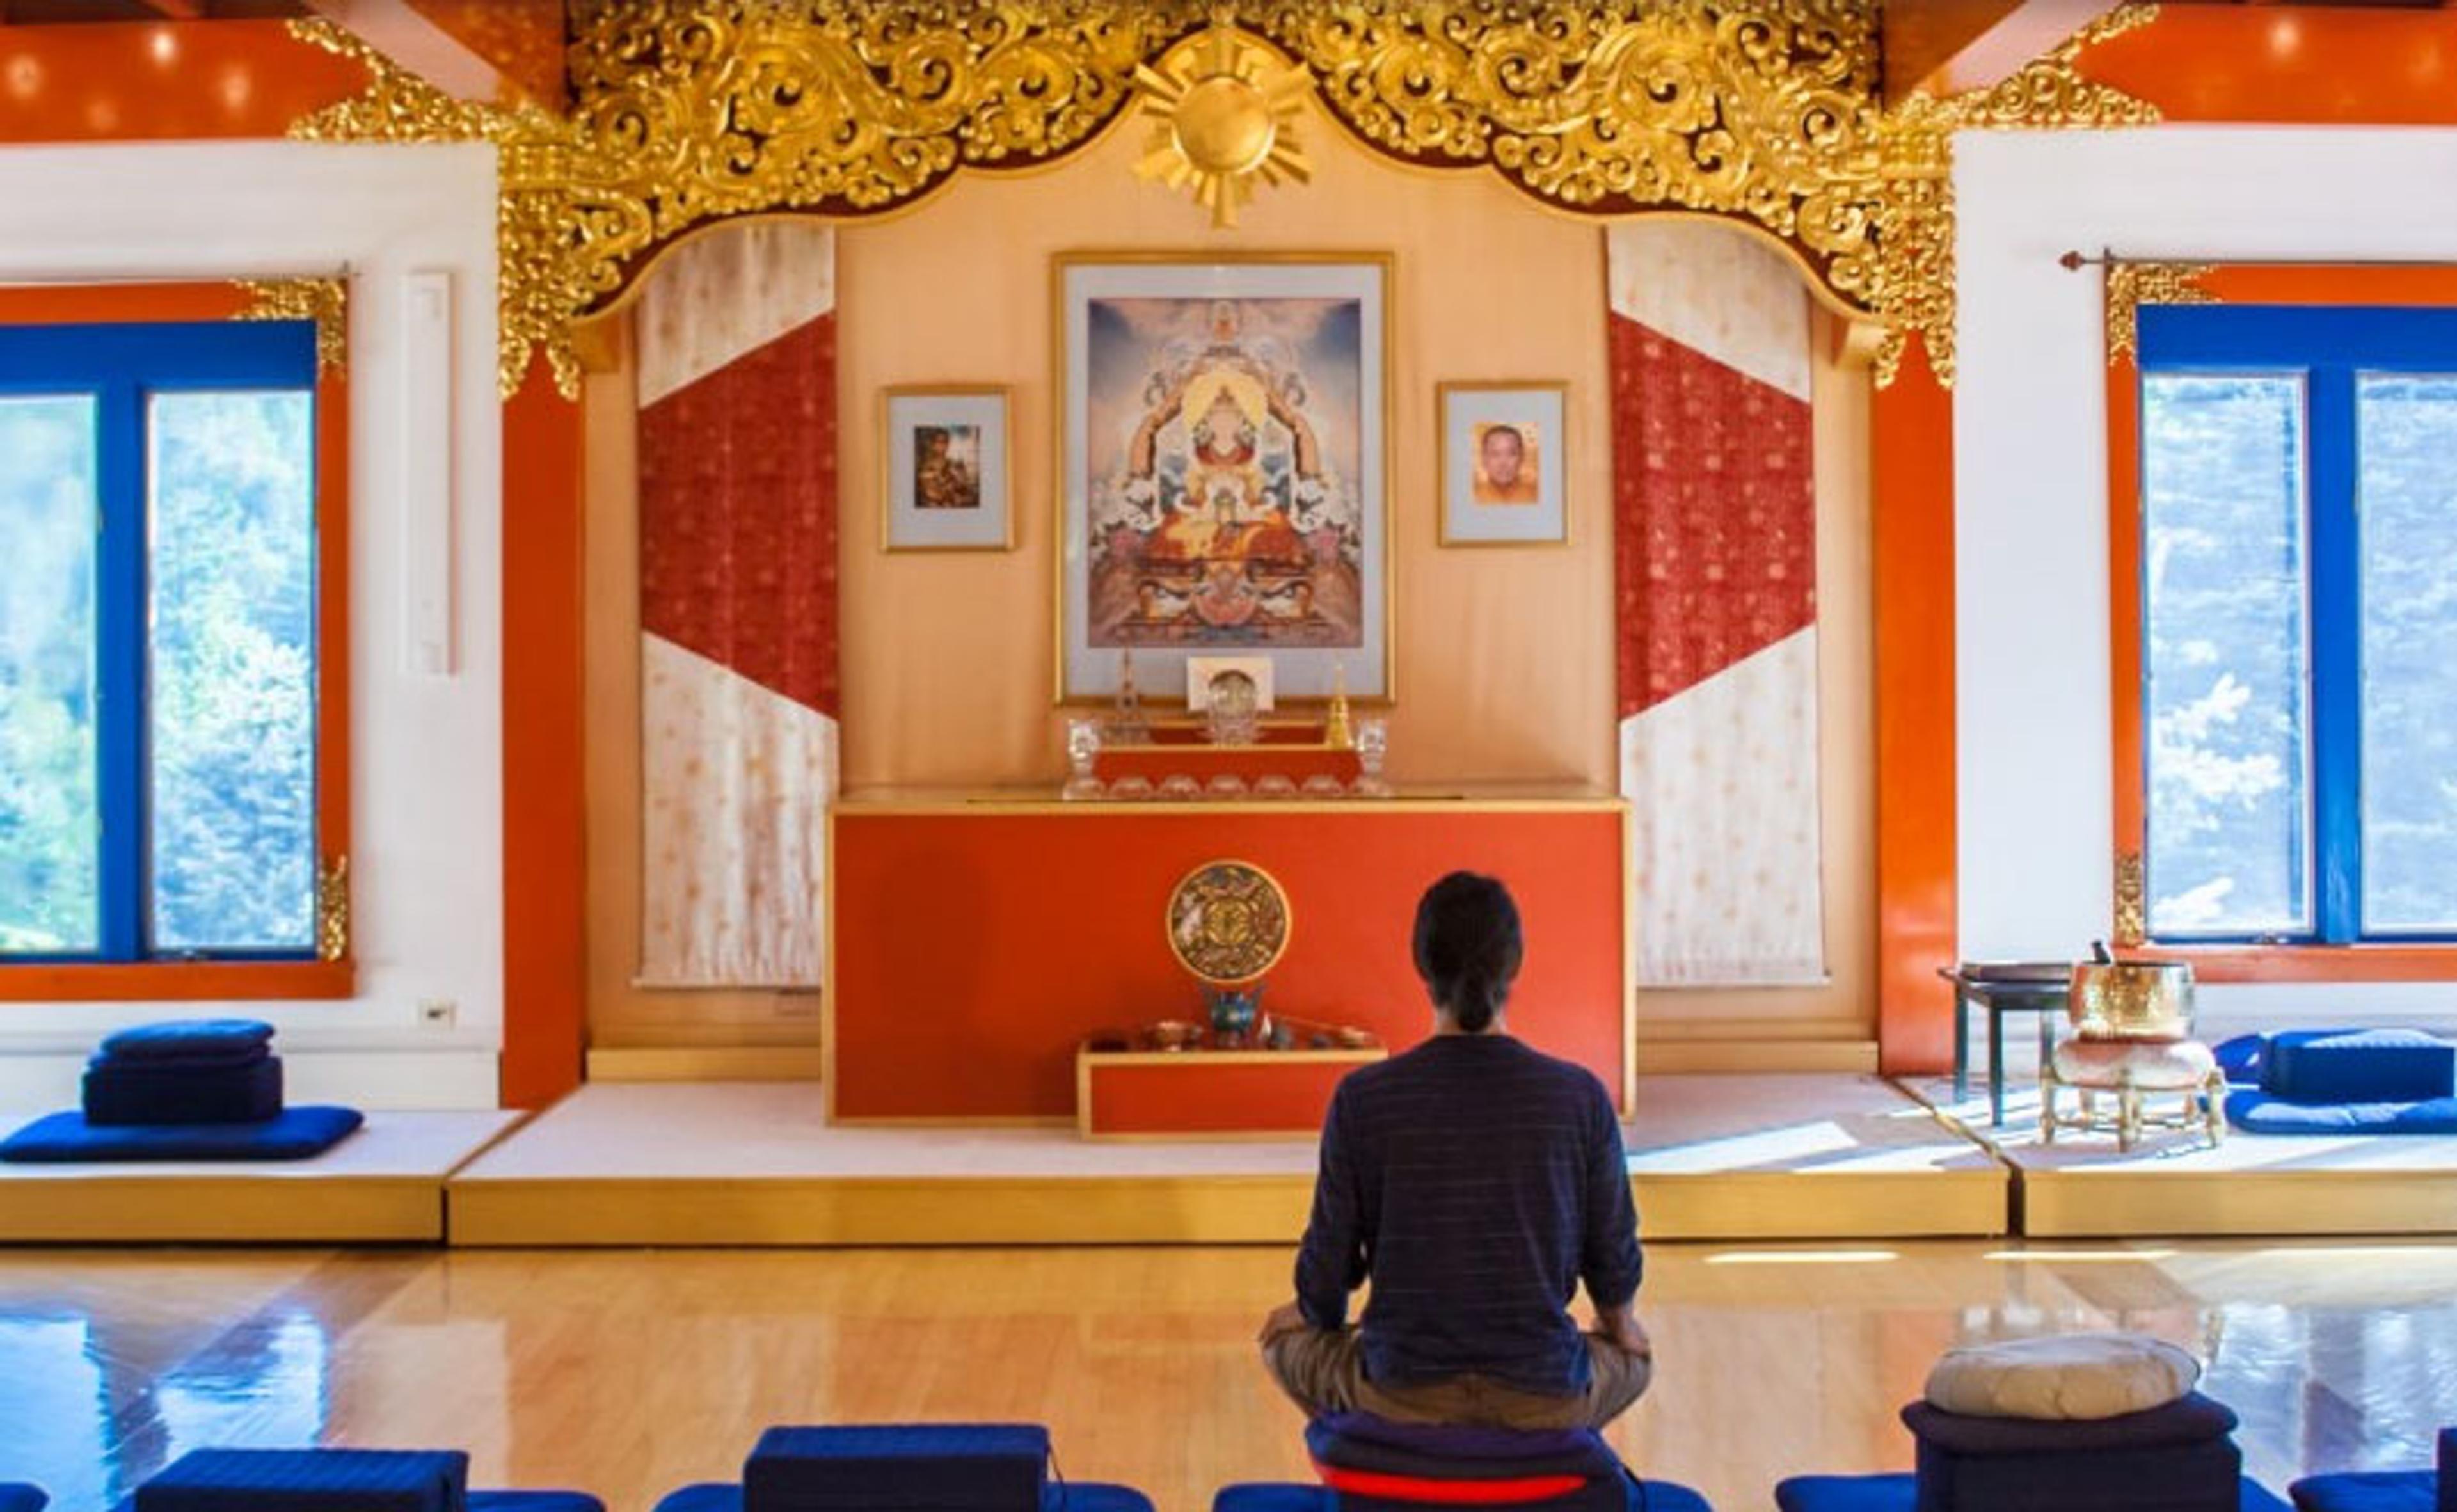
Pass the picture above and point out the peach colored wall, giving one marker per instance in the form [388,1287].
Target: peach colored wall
[1503,657]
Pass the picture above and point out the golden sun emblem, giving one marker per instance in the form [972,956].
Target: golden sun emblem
[1225,116]
[1228,922]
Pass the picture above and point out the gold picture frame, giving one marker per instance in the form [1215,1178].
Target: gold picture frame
[1533,507]
[1083,674]
[922,505]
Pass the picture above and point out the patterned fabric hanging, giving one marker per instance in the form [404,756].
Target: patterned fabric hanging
[1715,520]
[739,600]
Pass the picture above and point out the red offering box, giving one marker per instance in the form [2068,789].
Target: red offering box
[1209,1094]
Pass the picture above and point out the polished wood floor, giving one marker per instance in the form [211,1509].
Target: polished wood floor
[628,1372]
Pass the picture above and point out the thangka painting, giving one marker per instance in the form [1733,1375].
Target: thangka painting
[1222,460]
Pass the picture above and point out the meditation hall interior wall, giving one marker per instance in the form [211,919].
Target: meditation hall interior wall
[1504,658]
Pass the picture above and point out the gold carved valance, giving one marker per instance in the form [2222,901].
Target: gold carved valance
[1763,112]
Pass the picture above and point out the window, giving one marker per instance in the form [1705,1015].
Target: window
[159,670]
[2298,553]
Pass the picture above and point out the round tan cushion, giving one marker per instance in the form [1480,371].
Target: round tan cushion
[2069,1377]
[2170,1066]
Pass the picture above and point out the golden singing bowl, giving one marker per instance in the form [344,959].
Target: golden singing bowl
[2132,1000]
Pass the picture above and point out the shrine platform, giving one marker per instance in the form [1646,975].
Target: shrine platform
[716,1164]
[383,1185]
[2174,1185]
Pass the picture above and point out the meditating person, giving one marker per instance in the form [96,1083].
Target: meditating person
[1475,1183]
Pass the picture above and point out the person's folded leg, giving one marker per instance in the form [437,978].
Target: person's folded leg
[1322,1370]
[1616,1379]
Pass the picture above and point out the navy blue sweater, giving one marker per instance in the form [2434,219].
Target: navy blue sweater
[1476,1182]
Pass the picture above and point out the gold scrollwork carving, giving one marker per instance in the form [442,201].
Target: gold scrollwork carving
[2131,285]
[333,909]
[2132,900]
[1764,111]
[326,302]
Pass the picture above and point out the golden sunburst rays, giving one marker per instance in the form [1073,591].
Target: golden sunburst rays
[1224,114]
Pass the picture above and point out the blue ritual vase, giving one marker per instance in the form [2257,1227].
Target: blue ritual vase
[1234,1010]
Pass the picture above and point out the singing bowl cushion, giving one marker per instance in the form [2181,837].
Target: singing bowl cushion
[2154,1066]
[2062,1379]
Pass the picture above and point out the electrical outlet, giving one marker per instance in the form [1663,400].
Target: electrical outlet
[439,1013]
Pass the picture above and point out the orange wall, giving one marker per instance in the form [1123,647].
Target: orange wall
[1504,658]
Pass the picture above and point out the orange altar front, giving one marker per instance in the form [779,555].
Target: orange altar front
[976,943]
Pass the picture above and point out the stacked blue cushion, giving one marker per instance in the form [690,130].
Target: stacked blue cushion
[1459,1457]
[336,1481]
[2178,1457]
[17,1497]
[194,1071]
[2361,1065]
[1900,1493]
[2384,1491]
[907,1467]
[2351,1082]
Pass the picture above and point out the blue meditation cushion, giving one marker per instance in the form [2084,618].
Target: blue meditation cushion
[187,1037]
[299,1134]
[708,1497]
[1447,1456]
[2178,1457]
[310,1480]
[2449,1470]
[1900,1493]
[145,1092]
[17,1497]
[2359,1066]
[1268,1497]
[2241,1057]
[2257,1113]
[980,1467]
[1091,1496]
[2379,1491]
[533,1501]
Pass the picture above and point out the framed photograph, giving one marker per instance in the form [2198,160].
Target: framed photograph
[1505,463]
[1222,428]
[944,456]
[1202,672]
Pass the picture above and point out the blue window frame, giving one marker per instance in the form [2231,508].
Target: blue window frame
[158,642]
[2298,613]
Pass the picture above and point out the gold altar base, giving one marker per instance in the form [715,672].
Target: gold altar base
[1713,1157]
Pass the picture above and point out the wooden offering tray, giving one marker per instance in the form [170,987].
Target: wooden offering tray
[1179,1081]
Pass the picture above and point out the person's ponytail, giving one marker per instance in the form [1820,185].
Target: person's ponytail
[1468,947]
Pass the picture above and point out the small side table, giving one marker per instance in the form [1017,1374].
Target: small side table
[2041,987]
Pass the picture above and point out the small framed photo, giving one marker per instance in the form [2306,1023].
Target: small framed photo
[946,486]
[1505,463]
[1207,675]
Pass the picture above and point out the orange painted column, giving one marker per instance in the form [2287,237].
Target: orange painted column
[1913,443]
[545,959]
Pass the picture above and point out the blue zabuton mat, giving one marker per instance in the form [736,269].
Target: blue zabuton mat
[299,1134]
[2260,1114]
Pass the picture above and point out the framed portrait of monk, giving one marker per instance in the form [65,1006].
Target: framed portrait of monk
[1504,463]
[944,470]
[1222,458]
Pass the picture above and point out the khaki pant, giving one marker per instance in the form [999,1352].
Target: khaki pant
[1323,1372]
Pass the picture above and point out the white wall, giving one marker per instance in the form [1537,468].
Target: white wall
[2032,599]
[427,752]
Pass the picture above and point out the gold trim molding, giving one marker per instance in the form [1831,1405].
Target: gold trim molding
[326,302]
[2131,285]
[2132,900]
[1763,112]
[333,910]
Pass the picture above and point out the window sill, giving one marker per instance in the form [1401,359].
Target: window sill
[2235,965]
[180,981]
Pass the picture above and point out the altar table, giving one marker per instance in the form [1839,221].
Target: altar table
[974,943]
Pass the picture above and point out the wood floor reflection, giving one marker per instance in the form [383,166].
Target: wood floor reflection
[628,1373]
